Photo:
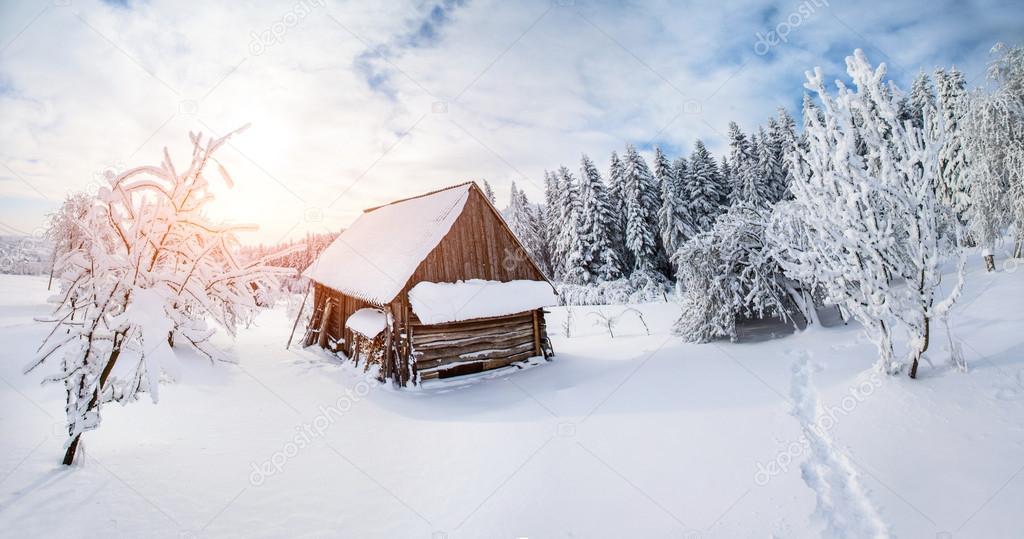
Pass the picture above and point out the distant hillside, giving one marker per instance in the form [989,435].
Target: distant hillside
[24,255]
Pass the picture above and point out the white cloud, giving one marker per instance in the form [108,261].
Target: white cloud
[528,86]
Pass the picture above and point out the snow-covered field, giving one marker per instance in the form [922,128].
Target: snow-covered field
[636,436]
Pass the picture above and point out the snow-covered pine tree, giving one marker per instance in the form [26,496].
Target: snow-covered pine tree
[703,188]
[871,226]
[489,193]
[575,267]
[598,221]
[617,201]
[662,167]
[741,161]
[153,270]
[552,218]
[522,218]
[769,163]
[519,217]
[787,137]
[749,184]
[680,167]
[509,210]
[725,173]
[542,249]
[953,183]
[922,99]
[641,210]
[673,216]
[664,172]
[673,219]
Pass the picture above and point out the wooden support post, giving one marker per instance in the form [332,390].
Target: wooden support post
[405,372]
[322,336]
[536,335]
[310,336]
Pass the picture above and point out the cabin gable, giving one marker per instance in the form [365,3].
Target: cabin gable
[479,245]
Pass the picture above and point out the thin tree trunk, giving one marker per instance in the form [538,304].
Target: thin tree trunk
[920,353]
[298,316]
[69,455]
[53,265]
[990,262]
[1018,248]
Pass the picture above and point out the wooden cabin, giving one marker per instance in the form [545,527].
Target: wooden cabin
[429,287]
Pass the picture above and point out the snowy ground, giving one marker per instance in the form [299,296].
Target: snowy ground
[636,436]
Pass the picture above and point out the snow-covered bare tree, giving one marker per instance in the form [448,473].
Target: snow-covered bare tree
[995,147]
[865,201]
[152,272]
[64,228]
[993,131]
[1007,70]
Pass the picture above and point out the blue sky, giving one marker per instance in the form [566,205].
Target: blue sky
[354,104]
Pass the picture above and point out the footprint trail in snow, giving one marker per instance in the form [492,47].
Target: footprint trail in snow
[842,503]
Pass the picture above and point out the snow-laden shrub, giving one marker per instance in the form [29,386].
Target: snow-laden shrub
[639,287]
[728,272]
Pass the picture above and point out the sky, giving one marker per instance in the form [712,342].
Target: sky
[354,104]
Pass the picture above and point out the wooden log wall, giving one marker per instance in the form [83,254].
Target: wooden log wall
[458,348]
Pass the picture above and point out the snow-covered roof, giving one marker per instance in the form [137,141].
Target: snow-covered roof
[438,303]
[368,322]
[375,257]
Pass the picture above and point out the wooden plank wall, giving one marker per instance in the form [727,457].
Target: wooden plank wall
[478,246]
